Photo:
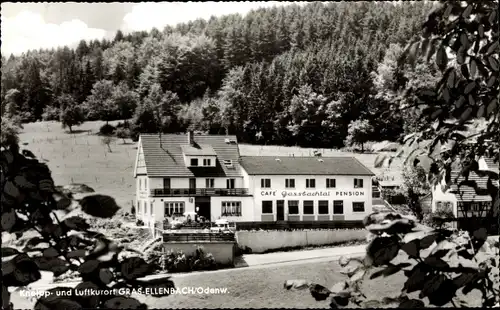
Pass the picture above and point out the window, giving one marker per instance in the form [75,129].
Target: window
[194,161]
[166,183]
[139,207]
[323,207]
[230,183]
[358,183]
[308,207]
[310,183]
[265,183]
[151,209]
[146,184]
[209,183]
[207,162]
[290,183]
[228,163]
[145,208]
[358,207]
[267,206]
[140,184]
[231,208]
[293,207]
[338,207]
[330,183]
[174,208]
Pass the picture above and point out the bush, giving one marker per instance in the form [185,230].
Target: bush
[27,117]
[50,114]
[123,133]
[139,223]
[439,219]
[178,261]
[107,130]
[124,124]
[202,260]
[154,254]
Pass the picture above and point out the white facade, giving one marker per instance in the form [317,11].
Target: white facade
[344,191]
[442,199]
[151,208]
[246,198]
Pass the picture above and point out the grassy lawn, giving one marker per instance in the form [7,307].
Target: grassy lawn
[82,158]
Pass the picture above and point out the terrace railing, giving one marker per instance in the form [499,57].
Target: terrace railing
[166,192]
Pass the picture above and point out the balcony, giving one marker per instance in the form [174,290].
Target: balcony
[192,192]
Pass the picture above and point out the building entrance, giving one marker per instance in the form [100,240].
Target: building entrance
[202,207]
[280,210]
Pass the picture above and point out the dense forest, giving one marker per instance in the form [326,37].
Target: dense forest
[314,75]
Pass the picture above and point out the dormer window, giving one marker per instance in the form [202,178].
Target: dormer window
[228,163]
[194,162]
[207,162]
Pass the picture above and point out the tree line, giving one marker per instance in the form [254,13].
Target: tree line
[312,75]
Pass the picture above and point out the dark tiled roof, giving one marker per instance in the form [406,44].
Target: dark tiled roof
[198,150]
[468,193]
[167,160]
[269,165]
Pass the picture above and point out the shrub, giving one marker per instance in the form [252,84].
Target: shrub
[201,260]
[154,253]
[123,133]
[125,124]
[439,219]
[178,261]
[27,117]
[107,129]
[50,114]
[139,223]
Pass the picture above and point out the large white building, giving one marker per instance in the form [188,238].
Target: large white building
[180,173]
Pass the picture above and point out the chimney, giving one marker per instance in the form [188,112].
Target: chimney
[190,136]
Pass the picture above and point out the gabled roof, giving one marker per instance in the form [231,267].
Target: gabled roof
[198,150]
[468,193]
[166,159]
[272,165]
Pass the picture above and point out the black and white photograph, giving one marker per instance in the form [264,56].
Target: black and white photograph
[249,155]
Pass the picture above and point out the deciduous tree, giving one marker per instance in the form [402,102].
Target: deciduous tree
[70,113]
[100,103]
[359,132]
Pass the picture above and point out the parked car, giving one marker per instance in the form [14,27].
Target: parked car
[223,225]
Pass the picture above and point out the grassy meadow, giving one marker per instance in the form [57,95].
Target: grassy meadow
[80,157]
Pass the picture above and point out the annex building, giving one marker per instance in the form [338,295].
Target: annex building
[467,201]
[179,173]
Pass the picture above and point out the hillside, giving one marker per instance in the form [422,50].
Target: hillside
[82,158]
[290,75]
